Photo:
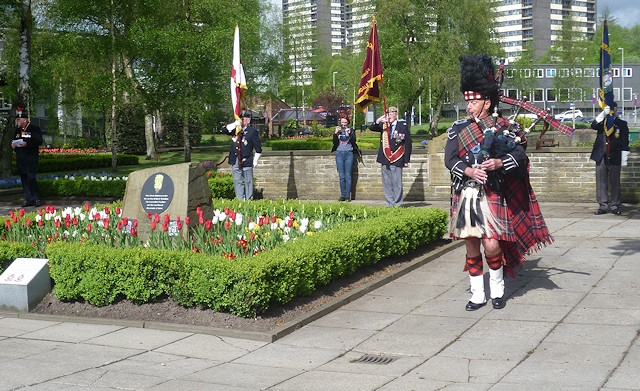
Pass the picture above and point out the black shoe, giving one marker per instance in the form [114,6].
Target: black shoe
[28,204]
[37,204]
[342,199]
[616,212]
[600,212]
[498,303]
[471,306]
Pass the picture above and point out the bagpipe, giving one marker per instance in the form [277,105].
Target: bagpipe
[548,121]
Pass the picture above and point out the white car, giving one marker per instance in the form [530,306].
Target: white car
[569,115]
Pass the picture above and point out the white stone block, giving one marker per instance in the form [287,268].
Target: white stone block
[24,284]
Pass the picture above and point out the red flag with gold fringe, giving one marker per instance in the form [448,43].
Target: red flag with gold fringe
[369,91]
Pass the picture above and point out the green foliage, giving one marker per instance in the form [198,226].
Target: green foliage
[101,275]
[10,251]
[80,187]
[173,134]
[318,144]
[70,162]
[243,286]
[221,185]
[130,130]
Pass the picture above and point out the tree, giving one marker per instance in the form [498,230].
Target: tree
[569,53]
[330,100]
[23,95]
[422,40]
[521,74]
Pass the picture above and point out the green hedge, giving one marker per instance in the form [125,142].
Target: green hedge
[54,162]
[316,144]
[10,251]
[81,187]
[243,286]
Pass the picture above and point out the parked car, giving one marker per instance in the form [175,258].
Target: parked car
[569,115]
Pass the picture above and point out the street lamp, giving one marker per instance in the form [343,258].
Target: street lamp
[622,74]
[334,80]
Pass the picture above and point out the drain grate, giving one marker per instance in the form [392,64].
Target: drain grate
[376,359]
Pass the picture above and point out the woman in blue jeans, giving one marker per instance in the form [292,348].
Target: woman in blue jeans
[344,144]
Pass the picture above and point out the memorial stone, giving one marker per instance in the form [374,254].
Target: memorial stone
[176,190]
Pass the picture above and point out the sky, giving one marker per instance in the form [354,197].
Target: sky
[626,12]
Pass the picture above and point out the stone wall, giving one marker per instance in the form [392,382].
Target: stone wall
[557,174]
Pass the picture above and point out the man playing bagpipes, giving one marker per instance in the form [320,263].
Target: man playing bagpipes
[493,204]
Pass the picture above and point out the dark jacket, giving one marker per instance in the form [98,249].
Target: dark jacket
[27,157]
[404,138]
[250,142]
[352,141]
[617,142]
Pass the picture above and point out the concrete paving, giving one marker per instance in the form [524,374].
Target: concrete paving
[571,323]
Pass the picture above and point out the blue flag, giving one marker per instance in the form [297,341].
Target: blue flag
[605,91]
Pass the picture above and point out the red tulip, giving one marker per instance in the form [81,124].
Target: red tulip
[187,220]
[21,212]
[87,207]
[134,232]
[106,209]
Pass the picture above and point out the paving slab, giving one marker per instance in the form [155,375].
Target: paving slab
[571,323]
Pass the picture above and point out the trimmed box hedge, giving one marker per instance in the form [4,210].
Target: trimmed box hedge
[242,286]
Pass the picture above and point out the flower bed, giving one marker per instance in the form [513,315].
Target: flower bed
[245,258]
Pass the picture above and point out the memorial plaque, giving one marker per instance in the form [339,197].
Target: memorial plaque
[175,190]
[157,193]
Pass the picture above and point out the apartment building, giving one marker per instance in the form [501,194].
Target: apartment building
[323,27]
[540,21]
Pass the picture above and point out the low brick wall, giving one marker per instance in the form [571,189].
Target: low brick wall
[557,174]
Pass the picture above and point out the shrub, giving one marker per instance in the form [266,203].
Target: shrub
[172,126]
[130,130]
[221,185]
[243,286]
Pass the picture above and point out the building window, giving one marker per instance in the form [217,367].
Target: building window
[539,73]
[538,95]
[525,73]
[551,95]
[615,72]
[550,72]
[589,72]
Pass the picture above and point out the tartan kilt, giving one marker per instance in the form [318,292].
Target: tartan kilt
[498,208]
[525,230]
